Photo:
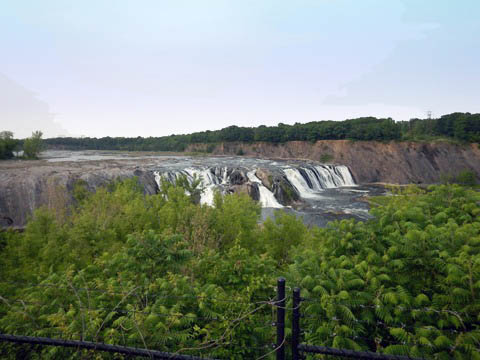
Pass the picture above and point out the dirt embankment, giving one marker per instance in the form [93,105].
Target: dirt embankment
[394,162]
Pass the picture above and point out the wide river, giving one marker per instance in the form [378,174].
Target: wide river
[327,192]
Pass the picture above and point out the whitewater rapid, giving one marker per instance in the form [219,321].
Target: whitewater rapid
[309,181]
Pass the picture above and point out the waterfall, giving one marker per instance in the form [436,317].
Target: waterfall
[298,181]
[267,199]
[308,180]
[311,180]
[210,180]
[346,175]
[216,178]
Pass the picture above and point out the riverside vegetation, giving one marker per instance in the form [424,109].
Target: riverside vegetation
[31,146]
[162,272]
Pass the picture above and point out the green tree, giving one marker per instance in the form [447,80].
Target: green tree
[33,145]
[194,188]
[280,235]
[7,144]
[467,178]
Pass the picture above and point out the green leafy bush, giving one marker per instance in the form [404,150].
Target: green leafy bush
[326,158]
[162,272]
[33,145]
[7,144]
[465,177]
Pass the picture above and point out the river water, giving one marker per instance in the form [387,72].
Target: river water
[327,192]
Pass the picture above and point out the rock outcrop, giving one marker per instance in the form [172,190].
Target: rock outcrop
[279,185]
[28,185]
[246,188]
[266,177]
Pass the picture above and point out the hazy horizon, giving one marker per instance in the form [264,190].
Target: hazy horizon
[149,68]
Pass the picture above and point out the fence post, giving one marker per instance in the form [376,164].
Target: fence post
[296,324]
[280,319]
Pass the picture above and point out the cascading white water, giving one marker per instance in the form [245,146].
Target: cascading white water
[314,179]
[213,179]
[209,181]
[346,175]
[225,176]
[299,182]
[267,199]
[327,176]
[310,181]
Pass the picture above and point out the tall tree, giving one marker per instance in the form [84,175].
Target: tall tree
[7,144]
[33,145]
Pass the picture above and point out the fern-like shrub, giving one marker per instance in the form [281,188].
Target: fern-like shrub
[165,273]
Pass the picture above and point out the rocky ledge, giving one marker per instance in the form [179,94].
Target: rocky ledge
[28,185]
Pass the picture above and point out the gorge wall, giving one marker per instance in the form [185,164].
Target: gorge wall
[369,161]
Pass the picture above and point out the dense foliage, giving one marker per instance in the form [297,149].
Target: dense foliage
[162,272]
[463,127]
[7,145]
[31,146]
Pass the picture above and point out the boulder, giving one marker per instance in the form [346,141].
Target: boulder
[265,177]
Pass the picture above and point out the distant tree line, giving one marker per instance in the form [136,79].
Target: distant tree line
[463,127]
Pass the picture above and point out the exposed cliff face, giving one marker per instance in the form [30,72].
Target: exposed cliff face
[395,162]
[27,185]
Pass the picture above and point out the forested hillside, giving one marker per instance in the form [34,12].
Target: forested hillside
[462,127]
[162,272]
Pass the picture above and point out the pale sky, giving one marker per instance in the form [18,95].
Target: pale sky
[159,67]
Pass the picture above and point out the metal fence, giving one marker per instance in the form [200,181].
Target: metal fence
[100,347]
